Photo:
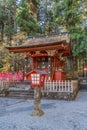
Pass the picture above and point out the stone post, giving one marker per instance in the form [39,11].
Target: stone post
[37,103]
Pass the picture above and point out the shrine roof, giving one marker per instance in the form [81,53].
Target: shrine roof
[41,41]
[37,71]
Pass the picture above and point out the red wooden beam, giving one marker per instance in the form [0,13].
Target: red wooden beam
[20,50]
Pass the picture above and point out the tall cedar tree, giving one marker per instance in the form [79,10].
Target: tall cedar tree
[68,14]
[3,18]
[26,17]
[7,18]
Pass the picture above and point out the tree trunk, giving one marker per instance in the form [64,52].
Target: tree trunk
[2,31]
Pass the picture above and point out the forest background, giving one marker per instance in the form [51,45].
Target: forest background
[21,19]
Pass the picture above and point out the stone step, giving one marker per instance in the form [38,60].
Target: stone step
[20,96]
[83,86]
[19,93]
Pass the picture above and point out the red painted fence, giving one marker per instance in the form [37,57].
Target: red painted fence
[9,76]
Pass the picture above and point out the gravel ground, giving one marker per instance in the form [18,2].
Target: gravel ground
[59,114]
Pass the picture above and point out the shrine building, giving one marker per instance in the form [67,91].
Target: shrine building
[48,53]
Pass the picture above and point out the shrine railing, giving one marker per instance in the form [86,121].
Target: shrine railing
[60,86]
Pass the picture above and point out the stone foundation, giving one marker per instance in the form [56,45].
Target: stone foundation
[60,95]
[63,95]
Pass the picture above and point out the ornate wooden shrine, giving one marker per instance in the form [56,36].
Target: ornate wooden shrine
[46,53]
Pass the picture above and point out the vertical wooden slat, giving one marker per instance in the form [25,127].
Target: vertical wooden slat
[65,86]
[53,86]
[50,86]
[62,85]
[71,86]
[58,86]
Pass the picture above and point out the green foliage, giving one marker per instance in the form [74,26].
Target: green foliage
[26,20]
[9,30]
[3,15]
[7,17]
[3,18]
[68,14]
[46,16]
[4,59]
[1,64]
